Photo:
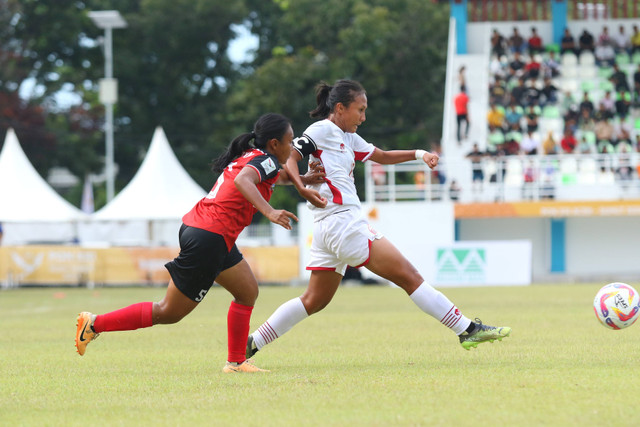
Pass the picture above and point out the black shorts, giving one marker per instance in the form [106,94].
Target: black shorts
[203,256]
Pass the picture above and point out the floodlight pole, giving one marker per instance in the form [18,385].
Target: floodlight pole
[108,20]
[108,127]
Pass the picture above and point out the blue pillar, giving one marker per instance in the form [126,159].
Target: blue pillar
[558,245]
[459,12]
[456,230]
[558,19]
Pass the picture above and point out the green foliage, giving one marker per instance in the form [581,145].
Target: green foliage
[371,358]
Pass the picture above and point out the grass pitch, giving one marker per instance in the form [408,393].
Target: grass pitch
[371,358]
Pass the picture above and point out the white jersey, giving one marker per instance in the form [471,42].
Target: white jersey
[325,142]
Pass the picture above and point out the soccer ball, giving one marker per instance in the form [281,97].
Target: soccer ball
[617,305]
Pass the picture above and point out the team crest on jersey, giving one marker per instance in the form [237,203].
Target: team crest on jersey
[342,147]
[268,165]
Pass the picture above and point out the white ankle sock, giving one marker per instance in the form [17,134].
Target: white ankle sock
[284,318]
[436,304]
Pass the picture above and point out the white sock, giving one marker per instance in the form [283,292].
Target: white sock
[434,303]
[284,318]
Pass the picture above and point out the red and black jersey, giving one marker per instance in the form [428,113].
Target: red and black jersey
[224,210]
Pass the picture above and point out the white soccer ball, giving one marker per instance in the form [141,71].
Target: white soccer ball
[617,305]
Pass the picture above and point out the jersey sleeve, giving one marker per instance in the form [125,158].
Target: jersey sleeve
[361,148]
[304,145]
[266,166]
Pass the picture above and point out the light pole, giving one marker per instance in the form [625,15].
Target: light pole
[108,20]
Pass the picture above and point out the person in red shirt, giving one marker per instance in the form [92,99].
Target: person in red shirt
[568,142]
[248,171]
[535,42]
[461,102]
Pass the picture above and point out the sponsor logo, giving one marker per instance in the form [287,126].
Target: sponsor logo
[461,265]
[268,165]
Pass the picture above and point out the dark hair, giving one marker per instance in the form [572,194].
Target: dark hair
[342,91]
[267,127]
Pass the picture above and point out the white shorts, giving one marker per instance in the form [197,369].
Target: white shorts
[341,239]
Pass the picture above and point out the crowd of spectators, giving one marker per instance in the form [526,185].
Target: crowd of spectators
[524,91]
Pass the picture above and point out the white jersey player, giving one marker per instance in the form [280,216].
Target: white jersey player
[341,234]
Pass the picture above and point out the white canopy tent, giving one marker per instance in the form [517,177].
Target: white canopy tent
[148,211]
[30,210]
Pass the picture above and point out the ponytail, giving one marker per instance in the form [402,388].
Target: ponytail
[343,91]
[266,128]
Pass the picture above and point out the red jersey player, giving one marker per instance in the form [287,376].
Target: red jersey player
[249,169]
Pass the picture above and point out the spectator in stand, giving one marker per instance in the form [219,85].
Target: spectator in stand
[619,79]
[497,92]
[518,93]
[531,94]
[567,43]
[549,145]
[513,116]
[516,66]
[549,93]
[586,122]
[609,104]
[604,38]
[602,113]
[584,147]
[532,68]
[496,67]
[636,79]
[495,117]
[635,40]
[623,104]
[516,42]
[622,42]
[551,66]
[461,102]
[462,79]
[622,134]
[512,141]
[535,42]
[530,144]
[587,41]
[454,191]
[568,142]
[476,157]
[605,54]
[587,105]
[532,119]
[497,43]
[604,132]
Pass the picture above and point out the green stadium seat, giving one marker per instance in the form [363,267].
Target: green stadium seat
[606,85]
[601,147]
[636,58]
[622,59]
[590,137]
[587,86]
[551,112]
[552,47]
[605,72]
[636,124]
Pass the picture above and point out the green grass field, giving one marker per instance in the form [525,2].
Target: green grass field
[371,358]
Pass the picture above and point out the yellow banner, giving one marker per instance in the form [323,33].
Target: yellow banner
[71,265]
[548,209]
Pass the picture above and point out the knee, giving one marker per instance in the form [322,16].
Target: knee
[313,303]
[247,297]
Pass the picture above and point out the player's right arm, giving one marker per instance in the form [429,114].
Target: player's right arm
[246,182]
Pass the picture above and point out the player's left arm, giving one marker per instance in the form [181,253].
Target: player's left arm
[393,157]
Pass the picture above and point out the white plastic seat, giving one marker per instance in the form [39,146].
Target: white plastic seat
[568,59]
[587,58]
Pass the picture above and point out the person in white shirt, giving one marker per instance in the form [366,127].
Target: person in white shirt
[342,235]
[621,41]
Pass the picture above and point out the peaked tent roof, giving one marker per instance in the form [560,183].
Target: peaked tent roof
[161,189]
[24,195]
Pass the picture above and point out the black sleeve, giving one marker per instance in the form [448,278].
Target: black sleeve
[304,145]
[267,166]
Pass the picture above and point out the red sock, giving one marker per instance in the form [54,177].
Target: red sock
[126,319]
[238,320]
